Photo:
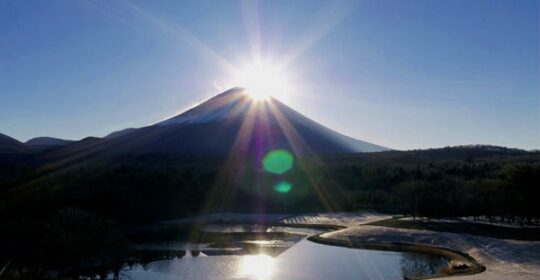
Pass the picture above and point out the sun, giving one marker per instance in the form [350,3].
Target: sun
[262,81]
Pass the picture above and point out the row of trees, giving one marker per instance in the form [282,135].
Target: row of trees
[508,190]
[417,183]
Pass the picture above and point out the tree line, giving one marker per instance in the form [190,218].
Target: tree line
[79,220]
[504,191]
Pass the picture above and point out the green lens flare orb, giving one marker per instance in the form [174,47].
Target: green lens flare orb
[283,187]
[278,161]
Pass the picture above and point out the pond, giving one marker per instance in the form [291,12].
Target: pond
[292,258]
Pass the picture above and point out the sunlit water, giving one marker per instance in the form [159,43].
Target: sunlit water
[303,260]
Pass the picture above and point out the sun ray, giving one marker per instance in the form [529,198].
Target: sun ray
[220,192]
[179,32]
[302,150]
[252,25]
[328,17]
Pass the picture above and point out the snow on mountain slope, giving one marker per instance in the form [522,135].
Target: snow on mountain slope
[226,105]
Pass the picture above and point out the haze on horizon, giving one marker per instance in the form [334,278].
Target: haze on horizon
[404,75]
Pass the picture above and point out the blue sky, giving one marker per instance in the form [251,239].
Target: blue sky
[403,74]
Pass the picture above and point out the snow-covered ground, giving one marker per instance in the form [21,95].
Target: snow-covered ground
[230,218]
[336,219]
[345,219]
[504,259]
[483,220]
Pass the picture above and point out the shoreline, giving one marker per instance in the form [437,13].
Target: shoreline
[474,268]
[500,258]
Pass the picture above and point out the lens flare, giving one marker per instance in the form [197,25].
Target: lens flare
[283,187]
[278,161]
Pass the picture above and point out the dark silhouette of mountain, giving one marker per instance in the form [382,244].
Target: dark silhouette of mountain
[9,145]
[119,133]
[48,141]
[232,123]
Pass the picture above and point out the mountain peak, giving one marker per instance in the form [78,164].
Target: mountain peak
[230,103]
[228,111]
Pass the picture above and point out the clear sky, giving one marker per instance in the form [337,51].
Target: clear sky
[403,74]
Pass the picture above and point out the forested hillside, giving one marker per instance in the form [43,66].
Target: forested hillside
[447,182]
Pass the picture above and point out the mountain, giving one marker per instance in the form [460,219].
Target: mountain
[48,141]
[9,145]
[119,133]
[234,123]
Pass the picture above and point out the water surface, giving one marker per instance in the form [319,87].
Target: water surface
[300,260]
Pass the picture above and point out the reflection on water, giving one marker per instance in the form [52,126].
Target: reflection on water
[304,260]
[415,265]
[243,228]
[259,267]
[280,259]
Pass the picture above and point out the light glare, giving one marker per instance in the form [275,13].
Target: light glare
[259,267]
[262,81]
